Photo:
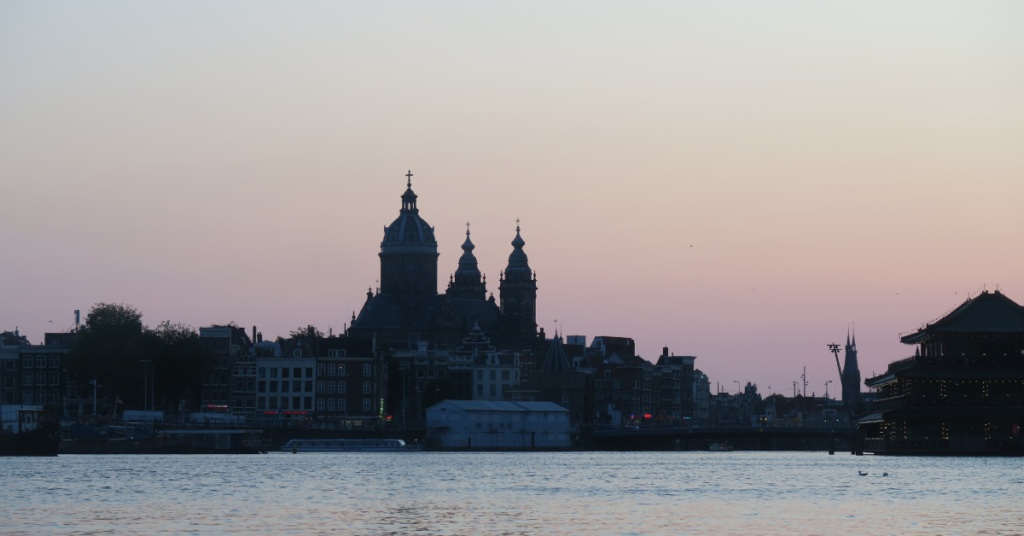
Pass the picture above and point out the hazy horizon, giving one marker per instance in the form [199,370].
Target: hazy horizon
[739,181]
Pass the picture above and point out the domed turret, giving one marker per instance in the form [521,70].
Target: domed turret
[518,264]
[518,290]
[409,230]
[467,281]
[408,253]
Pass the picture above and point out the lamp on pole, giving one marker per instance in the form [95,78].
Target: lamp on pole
[145,385]
[94,386]
[826,388]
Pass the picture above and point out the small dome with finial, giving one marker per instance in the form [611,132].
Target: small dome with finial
[517,261]
[409,229]
[468,281]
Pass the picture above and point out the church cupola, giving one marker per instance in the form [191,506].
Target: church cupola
[518,291]
[408,253]
[467,281]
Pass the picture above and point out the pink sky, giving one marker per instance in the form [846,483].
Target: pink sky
[739,181]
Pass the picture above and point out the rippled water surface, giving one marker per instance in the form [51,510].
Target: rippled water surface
[512,493]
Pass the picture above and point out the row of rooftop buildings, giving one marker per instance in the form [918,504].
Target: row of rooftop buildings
[351,381]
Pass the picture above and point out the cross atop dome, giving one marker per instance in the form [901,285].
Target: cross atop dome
[409,197]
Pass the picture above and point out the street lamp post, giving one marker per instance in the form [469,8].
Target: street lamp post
[94,385]
[826,388]
[145,385]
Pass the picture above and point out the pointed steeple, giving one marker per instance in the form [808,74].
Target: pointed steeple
[468,281]
[851,372]
[556,360]
[518,290]
[517,261]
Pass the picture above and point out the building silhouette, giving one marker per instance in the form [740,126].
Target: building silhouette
[961,392]
[407,309]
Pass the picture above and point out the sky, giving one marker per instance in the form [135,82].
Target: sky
[744,182]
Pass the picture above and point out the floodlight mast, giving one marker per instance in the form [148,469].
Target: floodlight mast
[834,348]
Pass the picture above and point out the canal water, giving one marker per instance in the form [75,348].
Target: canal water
[429,493]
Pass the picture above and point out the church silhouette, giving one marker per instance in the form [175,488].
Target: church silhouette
[407,309]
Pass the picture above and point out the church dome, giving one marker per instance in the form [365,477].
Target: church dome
[409,230]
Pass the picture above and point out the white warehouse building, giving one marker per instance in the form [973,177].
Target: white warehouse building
[483,425]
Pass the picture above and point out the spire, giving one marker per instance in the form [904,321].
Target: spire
[468,282]
[850,377]
[517,261]
[518,240]
[518,288]
[467,246]
[556,360]
[467,263]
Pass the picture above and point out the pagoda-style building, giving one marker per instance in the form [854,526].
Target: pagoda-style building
[962,392]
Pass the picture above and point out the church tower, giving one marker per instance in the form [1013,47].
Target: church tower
[408,254]
[851,374]
[518,291]
[467,281]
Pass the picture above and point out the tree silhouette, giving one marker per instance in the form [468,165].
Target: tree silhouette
[132,362]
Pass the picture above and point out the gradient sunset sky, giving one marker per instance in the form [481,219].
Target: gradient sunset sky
[740,181]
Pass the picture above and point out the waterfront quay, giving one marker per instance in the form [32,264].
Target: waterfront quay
[809,438]
[768,438]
